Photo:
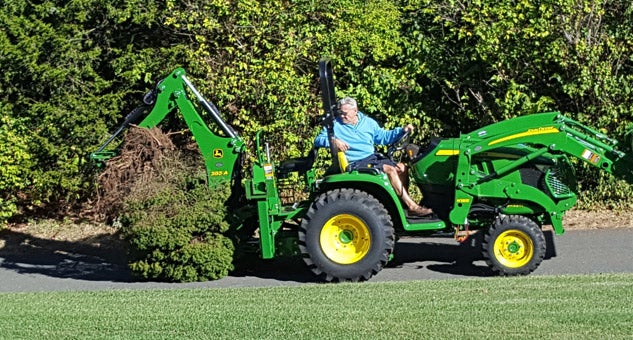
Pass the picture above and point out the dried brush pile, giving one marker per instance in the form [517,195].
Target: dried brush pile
[143,154]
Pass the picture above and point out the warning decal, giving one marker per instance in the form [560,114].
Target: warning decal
[590,157]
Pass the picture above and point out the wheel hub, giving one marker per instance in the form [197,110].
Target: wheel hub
[345,239]
[346,236]
[513,248]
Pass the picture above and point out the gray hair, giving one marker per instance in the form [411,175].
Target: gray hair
[348,101]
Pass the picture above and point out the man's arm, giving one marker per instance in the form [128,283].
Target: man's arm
[386,137]
[321,140]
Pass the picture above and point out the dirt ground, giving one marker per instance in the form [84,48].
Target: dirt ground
[62,237]
[604,219]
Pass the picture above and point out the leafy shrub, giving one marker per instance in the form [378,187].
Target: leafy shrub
[14,163]
[72,69]
[599,190]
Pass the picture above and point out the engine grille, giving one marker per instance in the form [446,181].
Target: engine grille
[555,181]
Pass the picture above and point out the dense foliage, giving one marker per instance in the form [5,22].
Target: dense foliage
[72,69]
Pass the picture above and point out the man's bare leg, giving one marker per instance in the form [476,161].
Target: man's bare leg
[403,173]
[394,175]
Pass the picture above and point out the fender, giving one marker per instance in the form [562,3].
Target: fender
[378,185]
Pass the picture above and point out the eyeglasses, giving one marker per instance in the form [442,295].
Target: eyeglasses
[345,113]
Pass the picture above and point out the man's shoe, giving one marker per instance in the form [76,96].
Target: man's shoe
[420,211]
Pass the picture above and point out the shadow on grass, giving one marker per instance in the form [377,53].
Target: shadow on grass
[84,259]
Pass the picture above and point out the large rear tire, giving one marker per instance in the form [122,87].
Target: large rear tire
[346,235]
[514,245]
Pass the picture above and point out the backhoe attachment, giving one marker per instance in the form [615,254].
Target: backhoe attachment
[221,149]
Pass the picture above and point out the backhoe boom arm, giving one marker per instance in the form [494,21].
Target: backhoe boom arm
[220,152]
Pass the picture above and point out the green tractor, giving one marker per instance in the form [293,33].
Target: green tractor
[506,181]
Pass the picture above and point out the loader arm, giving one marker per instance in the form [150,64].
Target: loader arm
[551,133]
[221,153]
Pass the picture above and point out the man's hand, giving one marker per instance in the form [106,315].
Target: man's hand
[408,128]
[340,145]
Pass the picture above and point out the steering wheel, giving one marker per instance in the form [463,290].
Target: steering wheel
[399,145]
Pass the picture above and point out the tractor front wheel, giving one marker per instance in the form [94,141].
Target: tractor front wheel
[514,245]
[346,235]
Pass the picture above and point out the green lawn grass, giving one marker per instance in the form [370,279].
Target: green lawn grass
[544,307]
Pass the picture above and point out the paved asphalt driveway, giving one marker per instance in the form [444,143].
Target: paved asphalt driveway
[26,265]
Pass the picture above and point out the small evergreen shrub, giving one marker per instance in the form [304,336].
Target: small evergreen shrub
[176,230]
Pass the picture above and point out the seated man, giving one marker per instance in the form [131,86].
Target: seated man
[356,134]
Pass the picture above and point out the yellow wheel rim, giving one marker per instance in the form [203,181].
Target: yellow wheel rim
[345,239]
[513,248]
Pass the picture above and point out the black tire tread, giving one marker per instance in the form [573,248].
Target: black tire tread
[368,203]
[505,222]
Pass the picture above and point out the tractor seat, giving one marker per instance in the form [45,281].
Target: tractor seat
[368,169]
[344,166]
[301,164]
[372,171]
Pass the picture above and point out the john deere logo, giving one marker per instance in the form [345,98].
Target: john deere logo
[218,153]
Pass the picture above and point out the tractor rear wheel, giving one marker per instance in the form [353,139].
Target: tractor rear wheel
[346,235]
[514,245]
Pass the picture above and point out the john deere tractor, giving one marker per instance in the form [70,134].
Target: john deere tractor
[505,181]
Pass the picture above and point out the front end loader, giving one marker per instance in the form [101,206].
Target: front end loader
[511,178]
[506,180]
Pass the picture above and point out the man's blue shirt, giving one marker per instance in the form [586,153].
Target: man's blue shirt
[361,137]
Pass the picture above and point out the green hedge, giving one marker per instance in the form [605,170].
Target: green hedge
[72,70]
